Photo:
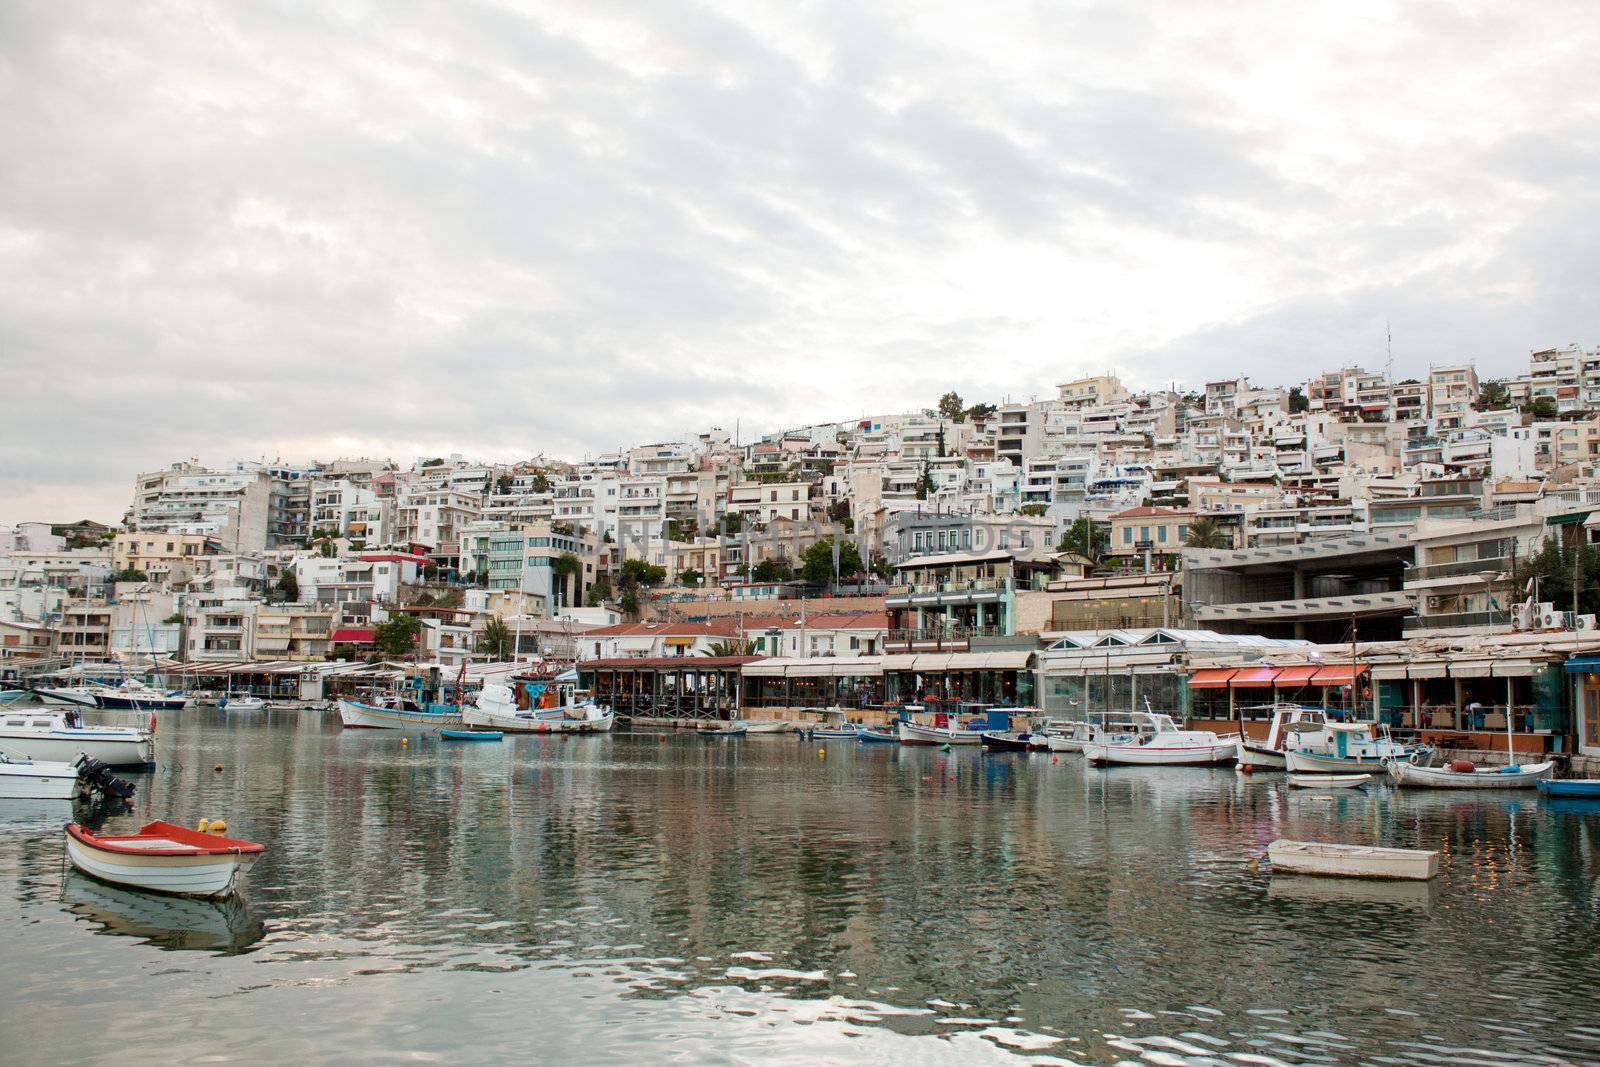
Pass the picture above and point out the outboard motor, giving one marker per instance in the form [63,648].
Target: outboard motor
[97,783]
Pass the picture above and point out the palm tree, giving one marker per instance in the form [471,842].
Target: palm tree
[732,648]
[496,641]
[563,567]
[1205,533]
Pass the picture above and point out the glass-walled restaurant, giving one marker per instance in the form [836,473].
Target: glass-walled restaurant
[817,682]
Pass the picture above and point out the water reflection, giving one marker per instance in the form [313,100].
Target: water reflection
[176,923]
[706,893]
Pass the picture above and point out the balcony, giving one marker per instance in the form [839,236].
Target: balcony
[1458,620]
[937,638]
[1476,568]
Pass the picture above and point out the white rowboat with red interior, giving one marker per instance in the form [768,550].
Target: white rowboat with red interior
[163,858]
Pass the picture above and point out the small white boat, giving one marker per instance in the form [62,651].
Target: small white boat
[1512,777]
[163,858]
[912,733]
[394,714]
[60,736]
[767,726]
[22,779]
[1329,781]
[1352,861]
[243,702]
[134,695]
[1346,748]
[1170,748]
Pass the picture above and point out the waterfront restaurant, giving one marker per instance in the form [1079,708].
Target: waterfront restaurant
[814,682]
[1138,669]
[1002,677]
[668,687]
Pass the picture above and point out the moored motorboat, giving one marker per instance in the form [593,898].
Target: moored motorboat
[243,702]
[1351,861]
[734,730]
[1570,787]
[496,709]
[394,714]
[1268,755]
[768,726]
[81,696]
[1182,748]
[60,736]
[134,695]
[1013,741]
[1329,781]
[877,737]
[1454,776]
[163,858]
[1347,748]
[471,735]
[22,779]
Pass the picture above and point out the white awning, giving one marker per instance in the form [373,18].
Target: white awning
[771,668]
[1388,672]
[899,663]
[635,644]
[1519,668]
[936,661]
[1430,669]
[1006,661]
[1471,668]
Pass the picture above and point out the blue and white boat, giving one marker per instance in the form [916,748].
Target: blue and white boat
[134,695]
[1347,748]
[876,737]
[396,713]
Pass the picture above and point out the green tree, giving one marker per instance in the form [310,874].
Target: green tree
[924,482]
[540,483]
[1543,407]
[777,569]
[129,574]
[950,406]
[816,562]
[1493,396]
[1205,533]
[732,522]
[289,587]
[642,572]
[495,641]
[1084,538]
[732,648]
[1298,401]
[689,576]
[397,635]
[598,593]
[1033,510]
[502,485]
[880,567]
[980,411]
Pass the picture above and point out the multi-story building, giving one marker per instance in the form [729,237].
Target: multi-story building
[162,556]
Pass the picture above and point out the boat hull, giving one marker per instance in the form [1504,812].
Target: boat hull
[1318,763]
[116,702]
[833,733]
[1352,861]
[122,749]
[1412,776]
[38,781]
[512,723]
[1258,756]
[769,726]
[1005,743]
[80,698]
[178,869]
[1215,755]
[874,737]
[356,716]
[1588,788]
[1329,781]
[913,734]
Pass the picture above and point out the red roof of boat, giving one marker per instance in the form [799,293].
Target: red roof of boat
[165,839]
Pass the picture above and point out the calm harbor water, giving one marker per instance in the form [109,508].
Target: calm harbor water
[671,898]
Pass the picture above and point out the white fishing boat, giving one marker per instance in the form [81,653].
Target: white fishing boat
[1346,748]
[395,713]
[1352,861]
[1268,755]
[60,736]
[1453,776]
[242,702]
[163,858]
[912,733]
[1329,781]
[1173,747]
[22,779]
[1118,728]
[496,709]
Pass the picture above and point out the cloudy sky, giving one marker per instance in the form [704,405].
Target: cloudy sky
[299,230]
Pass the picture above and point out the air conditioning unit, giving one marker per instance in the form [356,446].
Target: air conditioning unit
[1550,619]
[1586,622]
[1523,616]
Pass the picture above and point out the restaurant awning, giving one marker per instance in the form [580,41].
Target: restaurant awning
[772,668]
[934,661]
[1291,677]
[1517,668]
[1583,665]
[1253,676]
[904,662]
[352,637]
[1428,669]
[1339,674]
[1471,668]
[1212,678]
[1388,672]
[1006,661]
[678,642]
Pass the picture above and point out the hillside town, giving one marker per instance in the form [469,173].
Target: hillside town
[1012,552]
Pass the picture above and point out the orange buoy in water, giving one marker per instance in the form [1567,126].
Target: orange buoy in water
[1247,768]
[218,767]
[1055,759]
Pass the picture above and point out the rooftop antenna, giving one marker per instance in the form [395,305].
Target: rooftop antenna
[1388,348]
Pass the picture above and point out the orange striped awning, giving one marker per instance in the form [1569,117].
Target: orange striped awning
[1254,676]
[1295,676]
[1339,674]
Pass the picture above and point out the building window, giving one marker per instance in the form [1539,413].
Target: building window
[1161,534]
[1127,535]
